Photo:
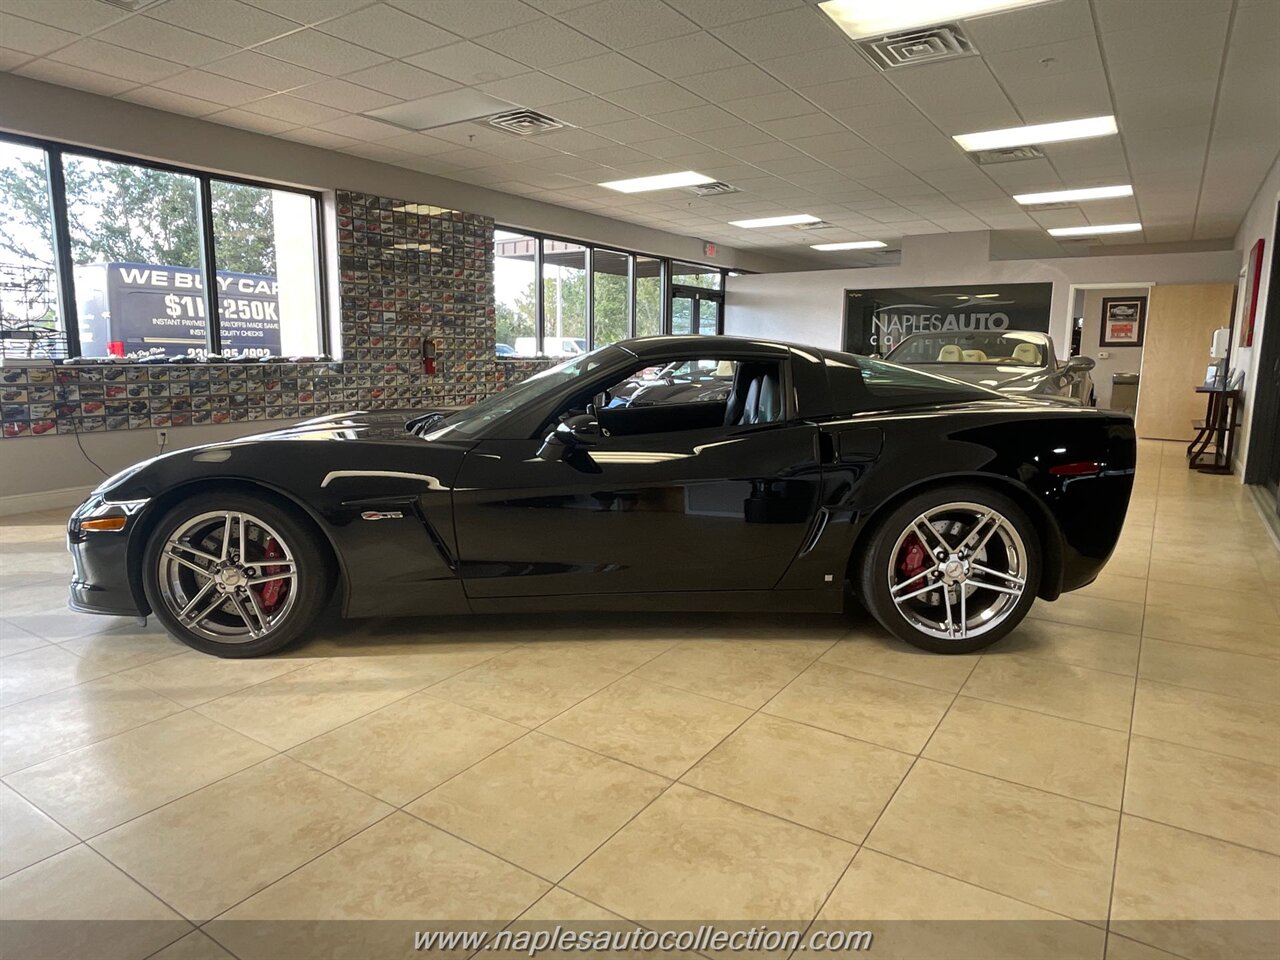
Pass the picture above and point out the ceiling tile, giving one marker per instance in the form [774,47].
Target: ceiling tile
[164,40]
[298,112]
[70,76]
[1014,29]
[401,80]
[604,73]
[624,23]
[228,20]
[11,59]
[798,30]
[588,111]
[361,128]
[250,121]
[319,51]
[701,119]
[468,63]
[654,98]
[309,11]
[531,90]
[388,31]
[470,18]
[252,67]
[115,61]
[715,13]
[32,37]
[344,96]
[542,43]
[318,138]
[82,17]
[732,83]
[171,102]
[768,107]
[806,125]
[832,64]
[686,55]
[210,86]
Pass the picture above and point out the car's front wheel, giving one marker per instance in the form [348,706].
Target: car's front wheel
[951,570]
[235,575]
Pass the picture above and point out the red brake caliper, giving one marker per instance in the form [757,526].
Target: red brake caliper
[911,559]
[272,592]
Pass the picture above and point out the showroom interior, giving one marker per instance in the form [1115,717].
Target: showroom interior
[220,218]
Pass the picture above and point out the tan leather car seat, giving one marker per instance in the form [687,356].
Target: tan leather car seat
[1027,353]
[974,356]
[950,354]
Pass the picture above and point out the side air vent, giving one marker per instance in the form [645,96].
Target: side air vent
[713,189]
[523,122]
[1006,155]
[928,45]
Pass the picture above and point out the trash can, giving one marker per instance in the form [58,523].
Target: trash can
[1124,392]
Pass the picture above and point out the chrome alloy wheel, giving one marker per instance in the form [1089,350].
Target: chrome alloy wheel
[957,571]
[228,576]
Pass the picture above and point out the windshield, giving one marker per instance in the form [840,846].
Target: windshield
[469,422]
[1019,348]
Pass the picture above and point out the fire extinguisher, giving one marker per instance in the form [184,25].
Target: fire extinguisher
[428,357]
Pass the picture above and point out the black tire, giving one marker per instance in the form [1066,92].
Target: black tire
[872,567]
[314,570]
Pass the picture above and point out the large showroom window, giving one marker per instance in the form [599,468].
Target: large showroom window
[611,295]
[593,296]
[28,266]
[130,246]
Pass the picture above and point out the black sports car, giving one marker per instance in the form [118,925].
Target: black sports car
[949,508]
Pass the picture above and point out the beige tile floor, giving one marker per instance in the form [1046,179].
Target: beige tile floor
[1105,782]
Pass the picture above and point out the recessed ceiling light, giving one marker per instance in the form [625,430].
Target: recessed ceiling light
[1038,133]
[1091,231]
[663,181]
[985,296]
[1067,196]
[875,18]
[852,245]
[790,220]
[441,109]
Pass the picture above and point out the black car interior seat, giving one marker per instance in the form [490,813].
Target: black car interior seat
[756,396]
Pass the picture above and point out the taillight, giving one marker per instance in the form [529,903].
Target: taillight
[1081,468]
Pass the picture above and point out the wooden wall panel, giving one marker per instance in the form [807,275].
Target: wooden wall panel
[1181,319]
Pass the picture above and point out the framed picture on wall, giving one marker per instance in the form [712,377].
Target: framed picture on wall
[1123,319]
[1253,275]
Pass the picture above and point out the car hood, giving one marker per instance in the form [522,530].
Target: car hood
[352,425]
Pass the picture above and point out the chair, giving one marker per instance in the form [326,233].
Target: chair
[950,354]
[1027,353]
[974,356]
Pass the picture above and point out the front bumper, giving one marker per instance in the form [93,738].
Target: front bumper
[100,582]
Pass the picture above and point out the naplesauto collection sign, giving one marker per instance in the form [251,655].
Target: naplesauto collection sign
[878,320]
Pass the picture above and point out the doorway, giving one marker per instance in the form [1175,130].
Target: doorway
[1262,465]
[696,311]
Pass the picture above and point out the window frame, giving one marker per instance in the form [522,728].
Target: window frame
[65,262]
[665,278]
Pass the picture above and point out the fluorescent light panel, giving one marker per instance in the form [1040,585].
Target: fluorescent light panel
[851,245]
[1038,133]
[1095,230]
[875,18]
[662,181]
[789,220]
[1068,196]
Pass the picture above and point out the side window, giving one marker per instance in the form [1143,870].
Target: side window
[693,394]
[865,384]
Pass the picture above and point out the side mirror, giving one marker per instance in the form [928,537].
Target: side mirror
[583,430]
[877,356]
[1080,365]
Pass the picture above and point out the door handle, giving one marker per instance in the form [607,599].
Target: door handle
[827,448]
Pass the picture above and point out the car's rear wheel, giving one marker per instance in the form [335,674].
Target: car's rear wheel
[235,575]
[951,570]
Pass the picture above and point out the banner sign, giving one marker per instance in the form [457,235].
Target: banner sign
[137,310]
[876,321]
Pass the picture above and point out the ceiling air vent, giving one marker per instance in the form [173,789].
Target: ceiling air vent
[1006,154]
[523,122]
[819,225]
[1059,205]
[133,6]
[713,189]
[927,45]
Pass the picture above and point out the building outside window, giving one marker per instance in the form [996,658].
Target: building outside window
[515,293]
[564,298]
[28,265]
[137,257]
[611,295]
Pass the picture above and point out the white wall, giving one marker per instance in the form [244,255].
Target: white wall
[1258,223]
[1118,359]
[808,307]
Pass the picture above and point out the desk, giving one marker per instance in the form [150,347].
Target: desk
[1217,429]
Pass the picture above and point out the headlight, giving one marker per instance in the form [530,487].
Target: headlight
[118,478]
